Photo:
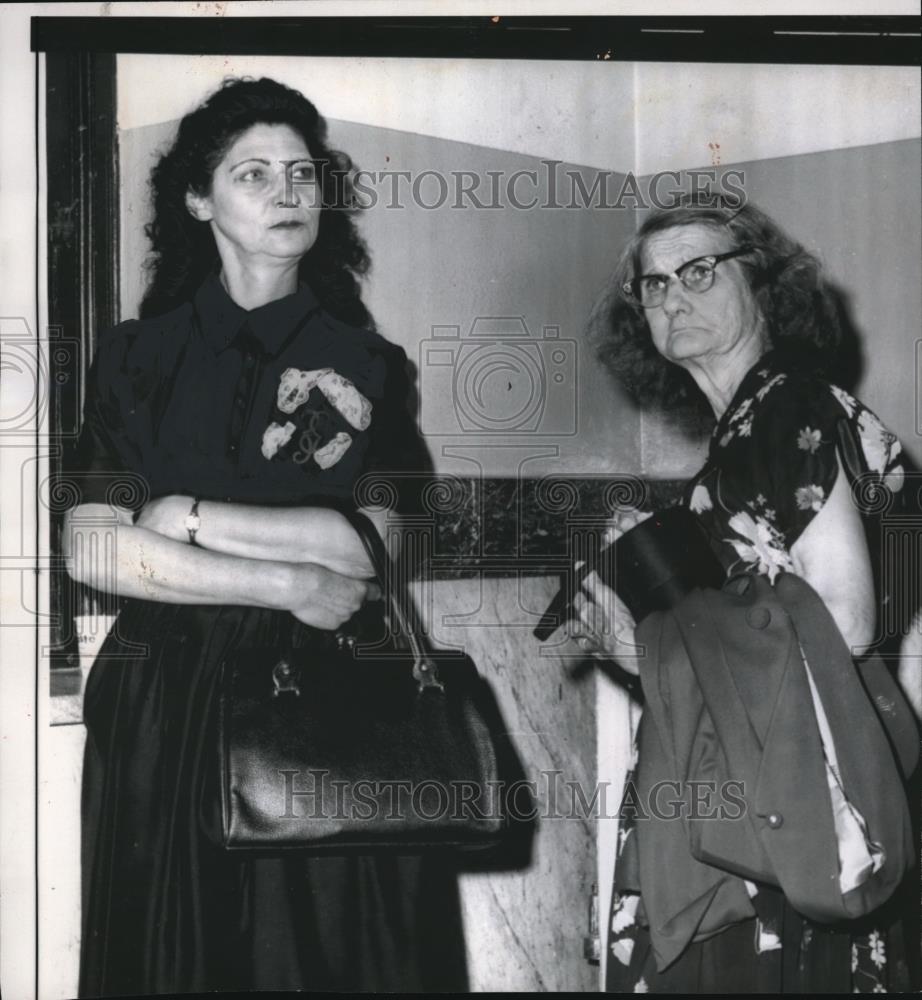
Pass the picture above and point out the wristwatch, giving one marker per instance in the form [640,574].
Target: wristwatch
[193,522]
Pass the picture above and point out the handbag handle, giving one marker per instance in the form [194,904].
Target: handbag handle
[424,669]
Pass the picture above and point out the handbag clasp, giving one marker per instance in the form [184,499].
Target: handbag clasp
[285,678]
[426,675]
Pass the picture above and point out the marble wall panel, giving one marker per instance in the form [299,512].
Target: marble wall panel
[525,927]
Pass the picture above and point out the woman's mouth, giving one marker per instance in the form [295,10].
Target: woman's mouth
[289,224]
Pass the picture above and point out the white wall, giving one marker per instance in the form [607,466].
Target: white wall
[640,117]
[701,115]
[678,115]
[578,112]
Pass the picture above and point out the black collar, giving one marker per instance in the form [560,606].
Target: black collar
[221,319]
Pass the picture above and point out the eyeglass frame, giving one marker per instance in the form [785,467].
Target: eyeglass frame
[630,288]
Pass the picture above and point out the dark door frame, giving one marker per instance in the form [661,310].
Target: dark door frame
[82,203]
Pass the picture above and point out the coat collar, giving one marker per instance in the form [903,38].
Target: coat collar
[221,319]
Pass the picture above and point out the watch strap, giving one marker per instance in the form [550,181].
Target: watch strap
[193,522]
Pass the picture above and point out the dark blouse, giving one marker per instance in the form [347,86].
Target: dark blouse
[279,405]
[283,404]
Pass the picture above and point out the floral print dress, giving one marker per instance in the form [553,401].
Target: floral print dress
[771,468]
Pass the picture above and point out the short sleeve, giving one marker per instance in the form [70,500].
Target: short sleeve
[398,457]
[780,450]
[102,467]
[774,460]
[397,445]
[868,448]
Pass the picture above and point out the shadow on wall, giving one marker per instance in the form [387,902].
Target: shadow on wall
[848,367]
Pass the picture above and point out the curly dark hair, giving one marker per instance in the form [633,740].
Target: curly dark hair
[183,250]
[800,311]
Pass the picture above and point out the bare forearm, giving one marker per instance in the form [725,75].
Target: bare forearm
[286,534]
[282,534]
[146,565]
[854,619]
[909,669]
[832,556]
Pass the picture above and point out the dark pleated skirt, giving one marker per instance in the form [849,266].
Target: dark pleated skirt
[167,911]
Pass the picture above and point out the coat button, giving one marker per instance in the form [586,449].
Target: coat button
[775,820]
[758,617]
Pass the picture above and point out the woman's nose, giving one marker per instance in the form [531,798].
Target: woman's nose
[676,299]
[286,191]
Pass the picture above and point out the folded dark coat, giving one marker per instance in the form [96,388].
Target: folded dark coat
[729,737]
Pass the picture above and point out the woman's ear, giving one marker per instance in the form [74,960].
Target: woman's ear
[199,206]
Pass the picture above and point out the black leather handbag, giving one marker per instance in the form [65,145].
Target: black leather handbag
[661,560]
[327,750]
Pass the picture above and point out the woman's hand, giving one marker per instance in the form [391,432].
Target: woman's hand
[167,516]
[622,522]
[606,626]
[325,599]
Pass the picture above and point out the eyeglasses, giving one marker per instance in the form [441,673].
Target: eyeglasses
[696,275]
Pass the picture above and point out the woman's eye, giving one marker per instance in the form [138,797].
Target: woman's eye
[697,274]
[653,283]
[250,175]
[303,174]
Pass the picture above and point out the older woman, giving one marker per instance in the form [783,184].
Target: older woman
[718,302]
[252,390]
